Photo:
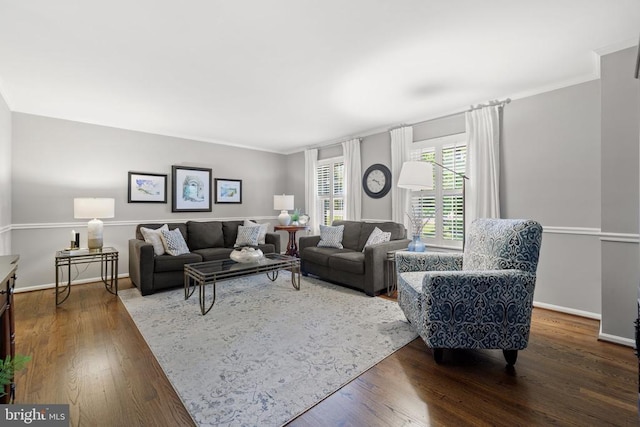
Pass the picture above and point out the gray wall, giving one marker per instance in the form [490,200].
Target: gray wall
[620,275]
[56,160]
[550,171]
[5,178]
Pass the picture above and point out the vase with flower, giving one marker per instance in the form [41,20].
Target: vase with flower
[418,219]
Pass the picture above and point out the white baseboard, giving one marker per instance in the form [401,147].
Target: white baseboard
[616,339]
[561,309]
[53,285]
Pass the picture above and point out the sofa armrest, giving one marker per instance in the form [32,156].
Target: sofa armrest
[307,241]
[274,239]
[374,257]
[428,261]
[141,265]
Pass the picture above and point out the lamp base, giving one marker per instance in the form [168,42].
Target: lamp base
[284,218]
[94,234]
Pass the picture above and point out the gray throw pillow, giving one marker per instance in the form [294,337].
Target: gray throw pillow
[331,236]
[174,243]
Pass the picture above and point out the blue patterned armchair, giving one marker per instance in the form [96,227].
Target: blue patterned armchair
[481,299]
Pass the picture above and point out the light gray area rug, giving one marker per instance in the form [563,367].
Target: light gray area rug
[265,353]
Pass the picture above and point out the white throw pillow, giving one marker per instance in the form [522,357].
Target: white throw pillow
[263,230]
[331,236]
[377,236]
[247,236]
[174,243]
[154,237]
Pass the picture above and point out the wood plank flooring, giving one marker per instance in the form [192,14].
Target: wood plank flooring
[89,354]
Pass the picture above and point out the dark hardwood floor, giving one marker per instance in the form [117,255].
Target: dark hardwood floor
[89,354]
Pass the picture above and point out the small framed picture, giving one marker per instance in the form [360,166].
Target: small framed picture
[147,187]
[191,189]
[228,190]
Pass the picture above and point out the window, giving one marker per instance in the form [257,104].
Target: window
[445,202]
[330,190]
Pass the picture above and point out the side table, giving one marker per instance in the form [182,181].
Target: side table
[108,259]
[390,272]
[292,246]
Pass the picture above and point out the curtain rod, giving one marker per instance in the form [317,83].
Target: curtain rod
[471,108]
[491,103]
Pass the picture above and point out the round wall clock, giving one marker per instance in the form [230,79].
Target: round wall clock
[376,181]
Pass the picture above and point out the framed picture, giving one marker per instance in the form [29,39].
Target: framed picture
[228,190]
[147,187]
[191,189]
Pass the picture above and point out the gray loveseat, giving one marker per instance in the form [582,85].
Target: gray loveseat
[351,266]
[207,241]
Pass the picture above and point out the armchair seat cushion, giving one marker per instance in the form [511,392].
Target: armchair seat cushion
[348,261]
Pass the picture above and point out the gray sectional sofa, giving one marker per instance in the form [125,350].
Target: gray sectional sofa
[207,241]
[351,266]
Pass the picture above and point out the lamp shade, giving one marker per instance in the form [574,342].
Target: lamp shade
[283,202]
[93,208]
[416,176]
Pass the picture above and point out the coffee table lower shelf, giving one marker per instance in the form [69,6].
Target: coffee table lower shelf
[201,274]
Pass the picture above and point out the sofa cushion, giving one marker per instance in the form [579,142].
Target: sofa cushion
[247,236]
[174,243]
[263,230]
[397,231]
[155,238]
[213,254]
[155,226]
[230,232]
[320,256]
[331,236]
[377,236]
[351,235]
[348,261]
[205,235]
[173,263]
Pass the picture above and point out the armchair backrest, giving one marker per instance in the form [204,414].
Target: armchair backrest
[501,244]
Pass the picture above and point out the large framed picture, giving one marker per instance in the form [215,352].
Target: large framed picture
[228,190]
[191,189]
[147,187]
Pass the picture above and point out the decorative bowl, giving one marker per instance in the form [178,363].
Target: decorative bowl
[246,254]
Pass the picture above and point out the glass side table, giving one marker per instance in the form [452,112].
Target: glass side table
[108,259]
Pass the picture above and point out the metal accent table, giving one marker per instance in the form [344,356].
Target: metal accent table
[108,259]
[390,271]
[201,274]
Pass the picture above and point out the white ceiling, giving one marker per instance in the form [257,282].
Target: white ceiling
[280,75]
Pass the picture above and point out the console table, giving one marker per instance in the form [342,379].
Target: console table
[8,267]
[108,259]
[292,246]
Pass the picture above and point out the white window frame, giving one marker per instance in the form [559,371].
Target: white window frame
[438,144]
[320,199]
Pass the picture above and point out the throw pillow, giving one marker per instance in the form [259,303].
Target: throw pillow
[331,236]
[377,236]
[174,243]
[247,236]
[154,237]
[263,230]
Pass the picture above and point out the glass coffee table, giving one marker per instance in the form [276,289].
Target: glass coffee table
[201,274]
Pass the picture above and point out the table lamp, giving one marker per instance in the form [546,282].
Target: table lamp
[94,208]
[283,203]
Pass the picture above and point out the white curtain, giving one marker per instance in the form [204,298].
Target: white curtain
[401,140]
[483,163]
[352,173]
[310,201]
